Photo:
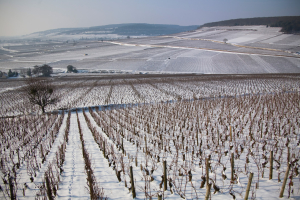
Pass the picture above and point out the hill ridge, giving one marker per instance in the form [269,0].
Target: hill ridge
[123,29]
[289,24]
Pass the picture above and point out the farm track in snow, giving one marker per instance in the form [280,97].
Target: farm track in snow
[216,41]
[213,50]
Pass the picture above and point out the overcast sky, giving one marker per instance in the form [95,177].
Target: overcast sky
[19,17]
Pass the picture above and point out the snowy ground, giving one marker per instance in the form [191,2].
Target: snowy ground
[181,119]
[94,89]
[201,51]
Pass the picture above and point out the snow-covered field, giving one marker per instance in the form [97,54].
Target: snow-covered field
[114,123]
[212,125]
[200,51]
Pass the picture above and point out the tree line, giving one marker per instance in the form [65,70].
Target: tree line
[289,24]
[39,71]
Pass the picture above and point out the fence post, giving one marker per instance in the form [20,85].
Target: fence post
[248,186]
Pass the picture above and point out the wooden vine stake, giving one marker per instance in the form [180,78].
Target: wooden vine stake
[232,167]
[288,156]
[207,191]
[271,166]
[18,151]
[42,151]
[248,186]
[159,197]
[146,145]
[104,154]
[48,186]
[230,134]
[132,183]
[11,188]
[284,181]
[165,175]
[122,146]
[197,137]
[218,137]
[207,171]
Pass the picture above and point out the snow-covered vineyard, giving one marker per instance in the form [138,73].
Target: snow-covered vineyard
[176,137]
[87,91]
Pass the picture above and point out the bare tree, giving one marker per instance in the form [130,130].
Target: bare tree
[40,92]
[225,40]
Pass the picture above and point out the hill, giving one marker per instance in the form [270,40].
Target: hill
[133,29]
[289,24]
[247,50]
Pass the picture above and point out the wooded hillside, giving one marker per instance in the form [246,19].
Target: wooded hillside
[289,24]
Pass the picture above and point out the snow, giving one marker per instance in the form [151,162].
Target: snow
[139,122]
[73,183]
[139,113]
[244,39]
[152,53]
[32,191]
[104,174]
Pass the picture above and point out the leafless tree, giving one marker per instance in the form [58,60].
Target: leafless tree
[40,92]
